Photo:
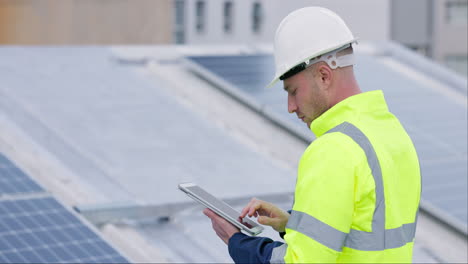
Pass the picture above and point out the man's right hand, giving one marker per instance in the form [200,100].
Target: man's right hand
[267,213]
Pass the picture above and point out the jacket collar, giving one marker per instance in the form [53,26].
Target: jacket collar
[350,109]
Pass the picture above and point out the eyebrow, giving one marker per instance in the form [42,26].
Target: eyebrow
[286,88]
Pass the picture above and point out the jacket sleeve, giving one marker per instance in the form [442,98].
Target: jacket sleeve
[324,202]
[249,249]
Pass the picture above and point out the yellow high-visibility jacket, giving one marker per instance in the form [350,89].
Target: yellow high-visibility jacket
[358,188]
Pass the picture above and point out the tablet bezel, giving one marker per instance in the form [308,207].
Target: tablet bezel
[257,229]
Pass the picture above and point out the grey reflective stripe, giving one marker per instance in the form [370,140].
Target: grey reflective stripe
[381,239]
[278,253]
[377,240]
[378,220]
[316,229]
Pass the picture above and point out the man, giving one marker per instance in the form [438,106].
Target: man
[358,185]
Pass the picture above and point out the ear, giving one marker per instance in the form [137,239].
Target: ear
[324,75]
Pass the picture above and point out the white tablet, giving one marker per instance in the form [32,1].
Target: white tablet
[221,208]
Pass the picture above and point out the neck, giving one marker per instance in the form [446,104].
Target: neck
[345,86]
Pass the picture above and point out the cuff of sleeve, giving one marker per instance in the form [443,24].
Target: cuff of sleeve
[234,246]
[235,239]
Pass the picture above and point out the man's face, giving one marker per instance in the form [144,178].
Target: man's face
[306,97]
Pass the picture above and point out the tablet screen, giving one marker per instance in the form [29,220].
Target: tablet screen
[222,206]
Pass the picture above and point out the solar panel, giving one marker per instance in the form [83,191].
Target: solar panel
[13,180]
[439,133]
[41,230]
[250,74]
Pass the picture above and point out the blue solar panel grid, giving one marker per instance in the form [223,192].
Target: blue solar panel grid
[14,181]
[40,230]
[248,72]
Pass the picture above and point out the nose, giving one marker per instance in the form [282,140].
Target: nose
[292,107]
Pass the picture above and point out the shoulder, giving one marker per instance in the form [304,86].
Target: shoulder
[336,146]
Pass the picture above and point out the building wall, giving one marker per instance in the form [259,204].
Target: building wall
[412,23]
[85,21]
[419,24]
[154,21]
[275,11]
[426,26]
[449,38]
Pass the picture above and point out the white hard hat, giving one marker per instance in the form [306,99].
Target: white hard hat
[306,34]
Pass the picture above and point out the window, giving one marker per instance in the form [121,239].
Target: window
[257,17]
[179,21]
[456,12]
[458,63]
[228,17]
[200,16]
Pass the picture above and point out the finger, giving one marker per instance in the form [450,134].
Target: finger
[219,222]
[244,211]
[247,208]
[265,220]
[208,212]
[254,208]
[266,210]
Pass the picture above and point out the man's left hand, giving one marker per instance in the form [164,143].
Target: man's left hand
[223,228]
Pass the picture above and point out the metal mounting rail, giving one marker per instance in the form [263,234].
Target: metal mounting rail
[443,218]
[99,214]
